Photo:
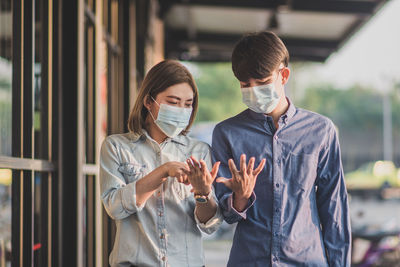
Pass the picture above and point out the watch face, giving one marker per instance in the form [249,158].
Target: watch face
[201,199]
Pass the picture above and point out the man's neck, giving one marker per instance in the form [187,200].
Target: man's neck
[281,109]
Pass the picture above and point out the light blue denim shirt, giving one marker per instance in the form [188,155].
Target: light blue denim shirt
[298,214]
[164,231]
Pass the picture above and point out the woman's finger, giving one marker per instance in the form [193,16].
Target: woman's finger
[190,164]
[204,169]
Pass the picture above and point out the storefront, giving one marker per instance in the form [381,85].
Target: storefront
[69,71]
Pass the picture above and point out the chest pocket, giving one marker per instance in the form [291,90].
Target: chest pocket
[303,168]
[132,171]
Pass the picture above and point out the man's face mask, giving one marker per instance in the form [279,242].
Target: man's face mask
[261,99]
[172,120]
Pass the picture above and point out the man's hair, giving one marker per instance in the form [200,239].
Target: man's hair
[257,55]
[163,75]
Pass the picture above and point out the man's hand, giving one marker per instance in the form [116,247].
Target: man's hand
[199,176]
[243,181]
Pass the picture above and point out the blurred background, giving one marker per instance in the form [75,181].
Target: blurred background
[70,71]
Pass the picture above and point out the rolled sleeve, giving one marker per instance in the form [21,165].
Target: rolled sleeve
[214,222]
[119,198]
[230,214]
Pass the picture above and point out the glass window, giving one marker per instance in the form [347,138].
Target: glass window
[5,217]
[5,76]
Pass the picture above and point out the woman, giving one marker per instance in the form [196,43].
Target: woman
[151,183]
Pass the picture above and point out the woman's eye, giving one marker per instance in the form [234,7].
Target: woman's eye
[188,105]
[172,103]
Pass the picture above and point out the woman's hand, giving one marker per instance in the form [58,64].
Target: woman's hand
[243,181]
[199,176]
[176,169]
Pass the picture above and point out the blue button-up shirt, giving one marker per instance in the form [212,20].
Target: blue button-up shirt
[298,214]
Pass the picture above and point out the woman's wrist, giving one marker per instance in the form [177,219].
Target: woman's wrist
[202,191]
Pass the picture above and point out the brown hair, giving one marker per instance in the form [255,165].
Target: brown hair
[257,55]
[158,79]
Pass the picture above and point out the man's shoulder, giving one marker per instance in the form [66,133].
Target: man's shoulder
[308,116]
[235,121]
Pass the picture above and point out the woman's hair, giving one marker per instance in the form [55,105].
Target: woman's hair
[158,79]
[257,55]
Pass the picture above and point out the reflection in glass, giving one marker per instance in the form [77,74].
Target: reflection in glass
[5,217]
[37,80]
[5,76]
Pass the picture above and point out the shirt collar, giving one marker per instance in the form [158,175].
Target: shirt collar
[180,139]
[289,112]
[285,117]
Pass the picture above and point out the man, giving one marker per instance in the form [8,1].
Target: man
[296,212]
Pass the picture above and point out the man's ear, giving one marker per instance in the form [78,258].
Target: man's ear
[285,75]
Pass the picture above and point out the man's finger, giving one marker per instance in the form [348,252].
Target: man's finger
[232,168]
[243,163]
[226,182]
[250,166]
[215,169]
[259,168]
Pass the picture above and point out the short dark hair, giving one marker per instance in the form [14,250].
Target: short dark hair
[158,79]
[257,55]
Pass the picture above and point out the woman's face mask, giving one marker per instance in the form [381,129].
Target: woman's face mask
[172,120]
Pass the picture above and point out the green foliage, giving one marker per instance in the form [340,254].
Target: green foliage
[353,109]
[219,91]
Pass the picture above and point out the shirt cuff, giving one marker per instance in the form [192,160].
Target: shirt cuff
[231,212]
[213,223]
[129,198]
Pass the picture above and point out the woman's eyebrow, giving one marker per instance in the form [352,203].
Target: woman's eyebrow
[174,97]
[178,98]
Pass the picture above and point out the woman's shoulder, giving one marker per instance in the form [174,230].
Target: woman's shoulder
[122,139]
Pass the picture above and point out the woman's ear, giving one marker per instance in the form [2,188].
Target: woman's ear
[285,75]
[147,102]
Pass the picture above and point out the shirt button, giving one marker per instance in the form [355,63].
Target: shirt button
[163,258]
[277,210]
[278,161]
[277,185]
[276,137]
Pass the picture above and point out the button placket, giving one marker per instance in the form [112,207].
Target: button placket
[276,198]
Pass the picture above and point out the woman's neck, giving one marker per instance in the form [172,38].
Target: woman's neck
[154,132]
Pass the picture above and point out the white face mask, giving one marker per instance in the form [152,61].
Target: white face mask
[172,120]
[261,99]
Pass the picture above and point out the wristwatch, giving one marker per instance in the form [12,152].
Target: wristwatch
[200,198]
